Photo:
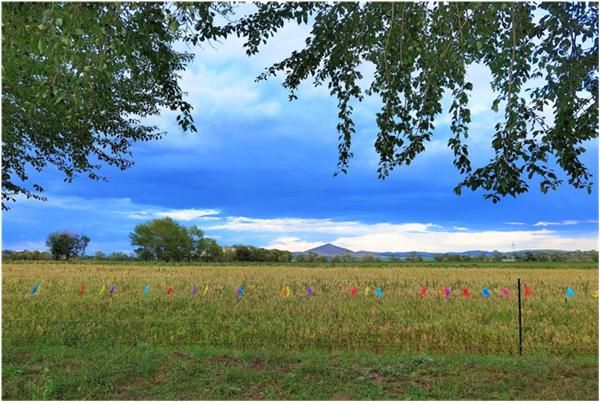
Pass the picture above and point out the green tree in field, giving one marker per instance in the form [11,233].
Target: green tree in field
[66,244]
[162,240]
[204,248]
[77,78]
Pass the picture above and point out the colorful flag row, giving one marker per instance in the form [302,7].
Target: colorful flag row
[287,292]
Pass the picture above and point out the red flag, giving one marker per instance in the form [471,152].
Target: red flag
[82,291]
[353,291]
[170,291]
[465,292]
[423,292]
[528,291]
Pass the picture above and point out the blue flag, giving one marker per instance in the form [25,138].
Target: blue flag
[486,292]
[570,292]
[146,290]
[35,289]
[379,292]
[240,291]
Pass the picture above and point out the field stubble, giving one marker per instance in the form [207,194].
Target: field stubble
[332,320]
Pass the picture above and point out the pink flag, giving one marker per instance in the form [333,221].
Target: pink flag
[505,292]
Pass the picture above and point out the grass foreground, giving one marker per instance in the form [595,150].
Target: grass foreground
[166,373]
[73,342]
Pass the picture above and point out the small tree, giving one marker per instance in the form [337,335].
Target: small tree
[209,250]
[162,240]
[413,257]
[66,244]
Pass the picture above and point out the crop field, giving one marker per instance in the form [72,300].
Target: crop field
[274,340]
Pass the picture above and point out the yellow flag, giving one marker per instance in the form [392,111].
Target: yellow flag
[102,290]
[367,291]
[596,294]
[288,291]
[206,290]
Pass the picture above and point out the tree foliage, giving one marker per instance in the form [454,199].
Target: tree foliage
[166,240]
[543,59]
[67,244]
[162,240]
[79,78]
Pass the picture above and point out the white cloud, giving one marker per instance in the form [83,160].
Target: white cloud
[447,241]
[305,233]
[292,244]
[323,226]
[565,222]
[515,223]
[113,217]
[546,223]
[462,241]
[187,214]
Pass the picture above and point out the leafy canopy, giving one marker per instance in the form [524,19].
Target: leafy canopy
[67,244]
[166,240]
[79,78]
[543,59]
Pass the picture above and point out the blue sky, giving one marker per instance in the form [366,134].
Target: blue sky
[259,171]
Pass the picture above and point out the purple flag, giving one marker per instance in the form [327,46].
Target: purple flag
[310,292]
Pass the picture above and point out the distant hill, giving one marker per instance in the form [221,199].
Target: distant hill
[329,250]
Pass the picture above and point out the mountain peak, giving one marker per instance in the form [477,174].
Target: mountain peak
[329,250]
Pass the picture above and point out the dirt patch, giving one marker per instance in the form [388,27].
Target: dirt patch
[258,364]
[376,376]
[17,357]
[423,384]
[340,396]
[181,355]
[228,360]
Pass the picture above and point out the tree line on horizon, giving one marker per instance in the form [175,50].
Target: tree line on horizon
[164,240]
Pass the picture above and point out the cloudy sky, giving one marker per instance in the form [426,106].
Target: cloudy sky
[259,172]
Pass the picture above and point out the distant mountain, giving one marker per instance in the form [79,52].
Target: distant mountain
[329,250]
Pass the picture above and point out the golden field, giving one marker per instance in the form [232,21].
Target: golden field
[401,321]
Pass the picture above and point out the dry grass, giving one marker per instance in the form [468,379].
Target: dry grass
[332,320]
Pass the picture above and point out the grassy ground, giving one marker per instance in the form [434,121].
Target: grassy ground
[146,372]
[61,345]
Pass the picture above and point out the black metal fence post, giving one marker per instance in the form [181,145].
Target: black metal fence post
[520,320]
